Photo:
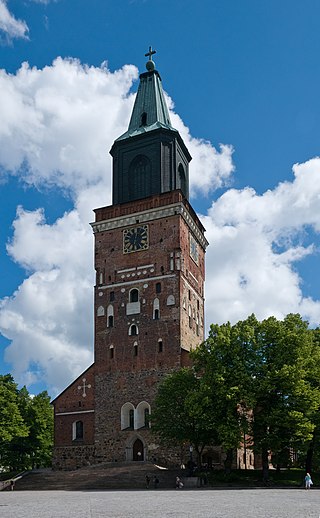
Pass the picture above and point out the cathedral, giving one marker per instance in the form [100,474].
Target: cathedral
[149,256]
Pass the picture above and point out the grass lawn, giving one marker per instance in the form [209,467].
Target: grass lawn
[253,478]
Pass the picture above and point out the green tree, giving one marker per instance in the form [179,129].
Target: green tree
[41,430]
[35,449]
[282,398]
[312,457]
[26,427]
[180,412]
[12,425]
[222,362]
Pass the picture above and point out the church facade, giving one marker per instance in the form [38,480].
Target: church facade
[149,293]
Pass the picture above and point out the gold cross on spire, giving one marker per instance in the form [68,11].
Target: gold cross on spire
[150,53]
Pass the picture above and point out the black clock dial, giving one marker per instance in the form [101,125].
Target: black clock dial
[194,253]
[135,239]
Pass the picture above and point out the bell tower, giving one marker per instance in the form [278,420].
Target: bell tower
[149,292]
[151,157]
[149,260]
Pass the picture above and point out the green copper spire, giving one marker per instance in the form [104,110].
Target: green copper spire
[151,157]
[150,110]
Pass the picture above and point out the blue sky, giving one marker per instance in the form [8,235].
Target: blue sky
[243,83]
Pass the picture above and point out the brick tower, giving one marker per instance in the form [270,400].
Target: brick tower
[149,292]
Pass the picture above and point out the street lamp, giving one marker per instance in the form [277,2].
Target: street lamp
[191,460]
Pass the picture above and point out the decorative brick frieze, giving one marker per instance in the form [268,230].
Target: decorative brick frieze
[145,217]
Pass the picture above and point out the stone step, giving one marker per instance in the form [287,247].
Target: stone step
[99,477]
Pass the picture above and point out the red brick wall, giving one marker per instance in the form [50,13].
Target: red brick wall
[124,376]
[74,407]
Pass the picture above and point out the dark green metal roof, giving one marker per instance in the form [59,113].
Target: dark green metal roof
[150,110]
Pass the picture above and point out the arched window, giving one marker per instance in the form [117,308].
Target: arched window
[100,311]
[143,411]
[133,330]
[158,287]
[77,430]
[110,321]
[171,300]
[190,316]
[160,346]
[143,119]
[134,295]
[182,181]
[111,352]
[127,416]
[133,306]
[139,178]
[156,309]
[146,417]
[197,325]
[135,349]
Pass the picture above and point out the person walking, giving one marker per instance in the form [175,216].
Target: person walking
[179,483]
[308,481]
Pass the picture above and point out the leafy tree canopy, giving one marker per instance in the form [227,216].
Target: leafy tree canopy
[26,427]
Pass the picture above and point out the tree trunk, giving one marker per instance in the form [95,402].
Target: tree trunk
[309,456]
[199,451]
[265,465]
[228,461]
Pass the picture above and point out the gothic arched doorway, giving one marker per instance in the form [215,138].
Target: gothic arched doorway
[137,450]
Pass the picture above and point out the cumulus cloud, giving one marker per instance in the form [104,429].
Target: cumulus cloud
[58,121]
[210,168]
[44,317]
[256,242]
[57,125]
[10,27]
[56,129]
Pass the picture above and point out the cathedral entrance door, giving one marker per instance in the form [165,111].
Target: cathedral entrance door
[137,450]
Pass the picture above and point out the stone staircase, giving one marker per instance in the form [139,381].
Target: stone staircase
[99,477]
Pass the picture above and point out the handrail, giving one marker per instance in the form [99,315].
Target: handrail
[6,483]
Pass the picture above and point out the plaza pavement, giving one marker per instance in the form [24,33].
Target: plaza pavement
[224,503]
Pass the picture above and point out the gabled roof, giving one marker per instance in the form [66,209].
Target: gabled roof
[72,383]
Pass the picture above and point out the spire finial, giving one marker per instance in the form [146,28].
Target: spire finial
[150,63]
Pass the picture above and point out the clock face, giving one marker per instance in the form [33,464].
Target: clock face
[194,252]
[135,239]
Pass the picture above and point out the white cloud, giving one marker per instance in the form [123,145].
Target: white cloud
[209,169]
[49,318]
[56,129]
[59,120]
[255,244]
[9,25]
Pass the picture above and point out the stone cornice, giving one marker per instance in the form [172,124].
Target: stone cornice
[151,215]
